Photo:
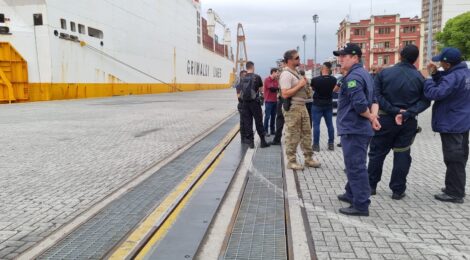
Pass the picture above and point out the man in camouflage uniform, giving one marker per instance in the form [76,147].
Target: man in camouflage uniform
[297,121]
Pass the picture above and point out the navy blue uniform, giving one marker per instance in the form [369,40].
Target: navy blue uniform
[450,117]
[355,97]
[396,88]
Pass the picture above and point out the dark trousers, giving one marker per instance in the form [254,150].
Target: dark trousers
[269,116]
[309,110]
[355,159]
[252,110]
[399,139]
[242,128]
[455,150]
[279,121]
[327,113]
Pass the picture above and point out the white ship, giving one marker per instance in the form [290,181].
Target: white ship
[62,49]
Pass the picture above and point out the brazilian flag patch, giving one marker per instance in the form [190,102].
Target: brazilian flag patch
[352,84]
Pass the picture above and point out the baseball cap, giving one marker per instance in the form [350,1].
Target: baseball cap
[350,48]
[410,53]
[450,55]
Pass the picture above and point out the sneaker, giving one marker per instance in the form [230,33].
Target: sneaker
[398,196]
[295,166]
[344,198]
[312,163]
[353,212]
[447,198]
[331,147]
[316,148]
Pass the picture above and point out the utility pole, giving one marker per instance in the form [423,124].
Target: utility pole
[315,21]
[430,32]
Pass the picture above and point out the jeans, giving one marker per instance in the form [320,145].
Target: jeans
[269,114]
[455,150]
[317,113]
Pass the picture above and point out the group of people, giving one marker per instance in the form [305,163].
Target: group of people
[379,110]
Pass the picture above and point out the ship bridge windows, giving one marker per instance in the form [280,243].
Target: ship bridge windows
[95,33]
[2,18]
[63,24]
[37,19]
[81,29]
[73,27]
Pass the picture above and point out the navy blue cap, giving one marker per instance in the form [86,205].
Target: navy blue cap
[450,55]
[350,48]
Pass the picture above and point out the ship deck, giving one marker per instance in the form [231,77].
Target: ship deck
[166,177]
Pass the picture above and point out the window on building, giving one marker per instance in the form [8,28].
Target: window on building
[2,18]
[359,31]
[384,30]
[380,60]
[63,24]
[81,29]
[409,29]
[382,45]
[386,60]
[73,27]
[408,43]
[95,33]
[37,19]
[361,45]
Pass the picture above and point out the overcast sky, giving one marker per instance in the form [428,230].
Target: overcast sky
[272,27]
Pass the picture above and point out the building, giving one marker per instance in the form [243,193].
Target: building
[442,11]
[381,38]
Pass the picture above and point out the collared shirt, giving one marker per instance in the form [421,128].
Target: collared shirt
[355,97]
[271,87]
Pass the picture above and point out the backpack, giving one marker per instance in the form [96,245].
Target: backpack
[247,88]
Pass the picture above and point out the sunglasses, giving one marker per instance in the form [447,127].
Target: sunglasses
[297,58]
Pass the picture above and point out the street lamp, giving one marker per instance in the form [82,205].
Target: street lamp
[315,21]
[304,38]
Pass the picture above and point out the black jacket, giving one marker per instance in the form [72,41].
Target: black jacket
[401,87]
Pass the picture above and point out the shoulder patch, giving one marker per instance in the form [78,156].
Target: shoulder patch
[352,84]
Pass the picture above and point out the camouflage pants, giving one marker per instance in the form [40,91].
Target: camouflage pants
[298,130]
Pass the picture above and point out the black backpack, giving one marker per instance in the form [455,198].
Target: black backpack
[247,88]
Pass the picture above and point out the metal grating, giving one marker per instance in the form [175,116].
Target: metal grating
[95,238]
[259,231]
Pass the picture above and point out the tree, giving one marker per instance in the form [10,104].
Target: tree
[456,34]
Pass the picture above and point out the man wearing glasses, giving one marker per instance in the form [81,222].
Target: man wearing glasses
[297,121]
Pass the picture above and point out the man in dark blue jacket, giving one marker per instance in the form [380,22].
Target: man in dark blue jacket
[399,92]
[450,117]
[356,122]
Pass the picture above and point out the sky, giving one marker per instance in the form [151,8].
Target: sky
[272,27]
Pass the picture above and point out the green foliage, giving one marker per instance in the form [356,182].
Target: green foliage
[456,34]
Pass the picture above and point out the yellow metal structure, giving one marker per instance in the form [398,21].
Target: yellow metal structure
[13,75]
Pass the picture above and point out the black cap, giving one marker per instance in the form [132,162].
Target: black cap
[410,53]
[350,48]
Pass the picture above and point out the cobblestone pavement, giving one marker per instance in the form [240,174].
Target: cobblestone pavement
[59,158]
[417,227]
